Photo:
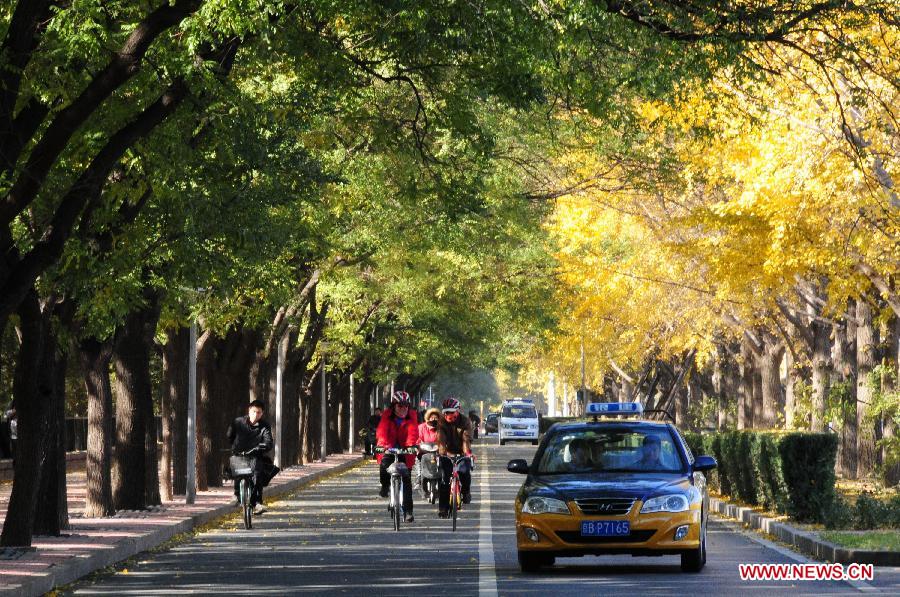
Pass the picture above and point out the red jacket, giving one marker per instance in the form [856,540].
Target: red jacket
[427,434]
[391,435]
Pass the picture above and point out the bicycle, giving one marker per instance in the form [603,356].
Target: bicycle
[242,469]
[429,473]
[398,470]
[455,487]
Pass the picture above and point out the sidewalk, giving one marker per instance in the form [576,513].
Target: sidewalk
[95,543]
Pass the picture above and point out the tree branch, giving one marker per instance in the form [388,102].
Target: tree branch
[84,191]
[123,66]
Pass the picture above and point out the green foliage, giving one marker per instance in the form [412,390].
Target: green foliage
[802,405]
[885,405]
[878,540]
[869,512]
[790,473]
[838,405]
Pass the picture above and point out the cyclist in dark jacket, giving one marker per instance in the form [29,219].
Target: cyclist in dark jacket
[454,438]
[252,436]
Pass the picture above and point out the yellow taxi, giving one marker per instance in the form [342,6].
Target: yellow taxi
[612,487]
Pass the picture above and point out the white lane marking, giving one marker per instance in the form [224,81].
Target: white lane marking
[487,576]
[859,585]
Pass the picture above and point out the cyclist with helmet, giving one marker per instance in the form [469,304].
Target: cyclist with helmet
[454,439]
[398,428]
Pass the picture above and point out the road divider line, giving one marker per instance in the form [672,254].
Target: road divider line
[487,575]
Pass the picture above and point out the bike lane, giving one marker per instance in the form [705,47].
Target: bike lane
[335,537]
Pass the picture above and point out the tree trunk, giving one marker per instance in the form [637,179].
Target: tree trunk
[52,509]
[865,363]
[95,358]
[682,397]
[821,372]
[135,470]
[844,357]
[205,378]
[718,383]
[890,456]
[175,379]
[745,398]
[33,390]
[769,366]
[790,399]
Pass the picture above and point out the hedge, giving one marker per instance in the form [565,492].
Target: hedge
[789,473]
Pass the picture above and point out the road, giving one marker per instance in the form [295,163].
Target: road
[336,537]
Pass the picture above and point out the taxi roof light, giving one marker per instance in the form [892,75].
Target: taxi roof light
[615,408]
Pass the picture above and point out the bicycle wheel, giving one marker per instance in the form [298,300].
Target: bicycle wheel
[246,490]
[395,500]
[454,500]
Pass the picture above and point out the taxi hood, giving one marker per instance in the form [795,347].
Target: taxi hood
[640,485]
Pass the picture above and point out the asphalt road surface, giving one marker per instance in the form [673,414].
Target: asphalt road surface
[336,537]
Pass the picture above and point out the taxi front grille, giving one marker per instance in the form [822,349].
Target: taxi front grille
[636,536]
[607,506]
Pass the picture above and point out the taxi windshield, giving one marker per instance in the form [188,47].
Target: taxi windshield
[610,450]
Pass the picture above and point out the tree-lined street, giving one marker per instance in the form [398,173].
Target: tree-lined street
[308,206]
[336,538]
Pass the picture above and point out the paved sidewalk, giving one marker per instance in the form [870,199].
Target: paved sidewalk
[94,543]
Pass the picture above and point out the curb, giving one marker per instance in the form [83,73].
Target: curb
[70,571]
[805,541]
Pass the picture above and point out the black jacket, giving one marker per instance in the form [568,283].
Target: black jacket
[244,436]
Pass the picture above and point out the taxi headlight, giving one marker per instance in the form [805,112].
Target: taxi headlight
[665,503]
[544,505]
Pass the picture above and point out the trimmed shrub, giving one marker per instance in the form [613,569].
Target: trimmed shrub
[840,515]
[694,441]
[790,473]
[712,446]
[808,469]
[869,512]
[772,491]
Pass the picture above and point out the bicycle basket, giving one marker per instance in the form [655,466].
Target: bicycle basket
[241,465]
[430,468]
[398,468]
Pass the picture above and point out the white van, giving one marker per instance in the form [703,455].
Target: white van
[518,421]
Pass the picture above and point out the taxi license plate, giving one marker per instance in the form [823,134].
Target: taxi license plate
[605,528]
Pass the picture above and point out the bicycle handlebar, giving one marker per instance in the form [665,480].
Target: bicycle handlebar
[407,450]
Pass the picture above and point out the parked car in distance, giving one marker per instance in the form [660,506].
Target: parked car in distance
[490,422]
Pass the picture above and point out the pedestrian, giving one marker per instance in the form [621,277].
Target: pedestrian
[371,427]
[13,419]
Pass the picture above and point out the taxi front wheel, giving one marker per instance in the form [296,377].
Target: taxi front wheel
[531,561]
[694,560]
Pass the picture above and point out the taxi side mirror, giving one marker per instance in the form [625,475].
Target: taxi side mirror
[518,466]
[704,463]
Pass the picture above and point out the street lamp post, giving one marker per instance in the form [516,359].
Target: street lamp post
[324,411]
[279,397]
[351,435]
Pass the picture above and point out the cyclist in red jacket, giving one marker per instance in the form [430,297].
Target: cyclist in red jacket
[399,428]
